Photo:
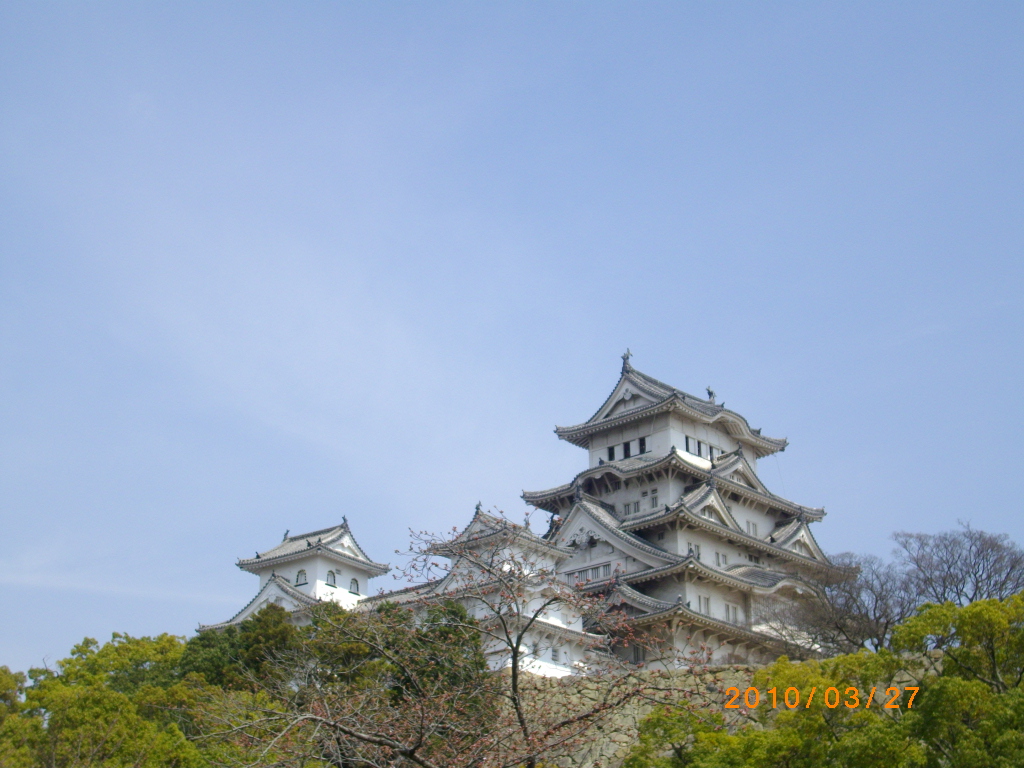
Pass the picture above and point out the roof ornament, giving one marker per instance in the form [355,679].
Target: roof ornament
[625,360]
[479,507]
[711,395]
[286,534]
[257,555]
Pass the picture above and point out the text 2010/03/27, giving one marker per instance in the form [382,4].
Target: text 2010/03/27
[790,698]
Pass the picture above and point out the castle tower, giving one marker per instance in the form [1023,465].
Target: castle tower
[672,522]
[324,565]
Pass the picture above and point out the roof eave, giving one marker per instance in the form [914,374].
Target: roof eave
[580,434]
[255,565]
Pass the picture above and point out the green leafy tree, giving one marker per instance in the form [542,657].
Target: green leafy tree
[239,657]
[981,641]
[95,709]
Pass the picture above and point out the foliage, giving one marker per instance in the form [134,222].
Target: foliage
[97,709]
[134,701]
[969,711]
[982,641]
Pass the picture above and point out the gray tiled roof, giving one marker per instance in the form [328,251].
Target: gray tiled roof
[274,581]
[655,608]
[757,575]
[330,541]
[664,396]
[742,574]
[627,467]
[611,525]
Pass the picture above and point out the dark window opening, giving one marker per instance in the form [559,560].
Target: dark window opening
[625,450]
[611,453]
[643,445]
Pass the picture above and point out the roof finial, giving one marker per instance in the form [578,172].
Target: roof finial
[286,534]
[625,360]
[711,395]
[479,507]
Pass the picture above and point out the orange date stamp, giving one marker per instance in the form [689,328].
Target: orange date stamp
[791,698]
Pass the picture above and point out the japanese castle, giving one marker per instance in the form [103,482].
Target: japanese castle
[669,520]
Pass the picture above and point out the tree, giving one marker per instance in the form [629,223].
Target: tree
[855,604]
[238,657]
[983,641]
[807,736]
[968,711]
[95,709]
[440,675]
[961,566]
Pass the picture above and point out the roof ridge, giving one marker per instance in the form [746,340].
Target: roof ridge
[301,536]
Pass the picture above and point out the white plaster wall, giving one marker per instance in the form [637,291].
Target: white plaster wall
[743,511]
[720,595]
[654,429]
[316,568]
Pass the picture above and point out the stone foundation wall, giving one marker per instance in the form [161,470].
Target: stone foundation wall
[610,740]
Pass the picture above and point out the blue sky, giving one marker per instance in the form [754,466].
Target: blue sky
[265,265]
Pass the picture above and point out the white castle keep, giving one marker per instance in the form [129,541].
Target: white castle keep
[670,520]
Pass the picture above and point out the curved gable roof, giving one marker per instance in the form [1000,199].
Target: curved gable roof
[274,584]
[610,526]
[336,542]
[664,397]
